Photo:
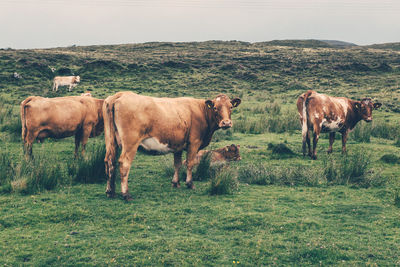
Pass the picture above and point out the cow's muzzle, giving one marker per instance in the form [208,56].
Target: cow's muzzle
[368,119]
[225,124]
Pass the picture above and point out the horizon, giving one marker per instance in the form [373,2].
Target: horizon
[267,41]
[45,24]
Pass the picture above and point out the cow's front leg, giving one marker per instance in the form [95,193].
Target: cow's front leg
[344,140]
[177,166]
[331,140]
[190,160]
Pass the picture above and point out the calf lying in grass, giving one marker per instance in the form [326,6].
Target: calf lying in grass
[228,153]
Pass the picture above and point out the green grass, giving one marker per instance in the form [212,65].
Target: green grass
[284,210]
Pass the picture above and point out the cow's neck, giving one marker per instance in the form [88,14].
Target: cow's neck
[212,126]
[353,116]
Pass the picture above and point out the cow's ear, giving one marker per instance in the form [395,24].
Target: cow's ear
[209,104]
[357,105]
[238,146]
[226,149]
[377,105]
[236,102]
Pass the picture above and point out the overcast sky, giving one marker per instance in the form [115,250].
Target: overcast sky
[54,23]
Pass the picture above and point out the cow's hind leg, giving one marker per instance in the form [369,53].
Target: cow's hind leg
[28,142]
[78,138]
[308,144]
[125,162]
[344,140]
[317,131]
[177,166]
[331,140]
[85,137]
[110,164]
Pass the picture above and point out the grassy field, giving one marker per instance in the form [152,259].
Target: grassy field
[284,210]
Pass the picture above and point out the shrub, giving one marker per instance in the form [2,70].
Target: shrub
[6,112]
[283,123]
[89,169]
[397,142]
[225,182]
[362,133]
[397,198]
[223,135]
[274,124]
[385,130]
[280,150]
[390,158]
[273,108]
[252,126]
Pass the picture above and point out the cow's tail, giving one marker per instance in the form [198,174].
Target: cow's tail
[111,139]
[24,105]
[304,123]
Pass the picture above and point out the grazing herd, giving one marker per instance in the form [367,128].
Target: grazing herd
[169,125]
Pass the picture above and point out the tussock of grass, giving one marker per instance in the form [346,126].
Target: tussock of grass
[44,173]
[204,171]
[352,169]
[224,182]
[90,168]
[265,174]
[39,174]
[6,173]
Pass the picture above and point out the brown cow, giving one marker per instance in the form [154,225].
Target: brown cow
[61,117]
[321,114]
[228,153]
[163,125]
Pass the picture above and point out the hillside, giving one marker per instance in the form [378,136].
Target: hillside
[386,46]
[172,69]
[273,207]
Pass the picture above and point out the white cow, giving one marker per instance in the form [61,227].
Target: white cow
[86,94]
[70,81]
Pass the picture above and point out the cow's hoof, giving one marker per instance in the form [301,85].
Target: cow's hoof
[127,197]
[190,185]
[176,185]
[329,151]
[110,194]
[313,157]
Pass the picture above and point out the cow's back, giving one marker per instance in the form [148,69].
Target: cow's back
[61,116]
[167,119]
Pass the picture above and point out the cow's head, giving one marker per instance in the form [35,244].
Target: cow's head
[221,108]
[365,107]
[232,152]
[77,79]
